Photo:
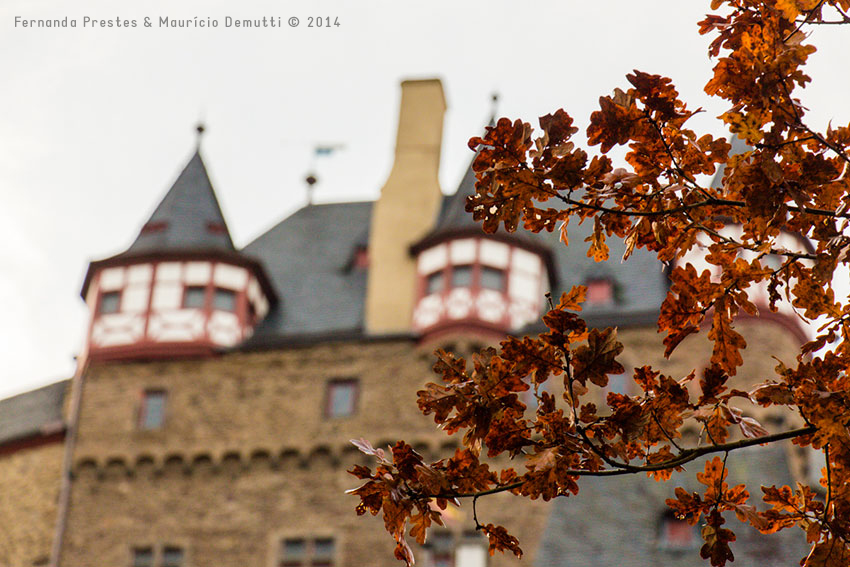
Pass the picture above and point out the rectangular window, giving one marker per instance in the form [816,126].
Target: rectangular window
[341,398]
[492,278]
[152,413]
[193,297]
[441,549]
[224,299]
[172,556]
[472,552]
[168,556]
[293,552]
[434,283]
[461,276]
[143,557]
[110,302]
[299,552]
[323,552]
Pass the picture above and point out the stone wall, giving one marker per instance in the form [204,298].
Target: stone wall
[248,457]
[29,492]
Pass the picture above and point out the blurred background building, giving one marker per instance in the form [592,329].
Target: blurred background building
[210,416]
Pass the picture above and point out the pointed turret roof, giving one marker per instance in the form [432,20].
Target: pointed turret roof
[187,223]
[453,215]
[454,221]
[187,219]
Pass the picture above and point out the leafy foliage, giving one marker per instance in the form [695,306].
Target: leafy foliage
[791,180]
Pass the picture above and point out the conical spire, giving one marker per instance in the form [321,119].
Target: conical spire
[187,219]
[453,215]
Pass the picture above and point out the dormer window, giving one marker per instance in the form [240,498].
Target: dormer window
[600,291]
[214,227]
[676,534]
[361,258]
[110,302]
[154,226]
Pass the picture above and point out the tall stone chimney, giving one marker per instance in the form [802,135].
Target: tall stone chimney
[407,208]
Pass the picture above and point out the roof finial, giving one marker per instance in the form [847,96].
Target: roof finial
[311,181]
[494,98]
[200,129]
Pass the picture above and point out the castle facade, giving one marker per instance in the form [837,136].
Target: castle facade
[209,421]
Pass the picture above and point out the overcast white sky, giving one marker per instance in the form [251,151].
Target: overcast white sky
[97,122]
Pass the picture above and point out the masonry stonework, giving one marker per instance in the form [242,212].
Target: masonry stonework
[247,456]
[28,503]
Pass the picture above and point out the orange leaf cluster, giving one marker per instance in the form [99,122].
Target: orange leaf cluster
[792,180]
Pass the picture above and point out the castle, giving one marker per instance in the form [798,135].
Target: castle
[210,417]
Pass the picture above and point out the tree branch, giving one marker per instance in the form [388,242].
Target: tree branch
[685,457]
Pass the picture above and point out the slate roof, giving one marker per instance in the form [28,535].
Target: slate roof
[309,259]
[188,218]
[616,521]
[640,283]
[309,255]
[32,413]
[453,214]
[187,222]
[454,220]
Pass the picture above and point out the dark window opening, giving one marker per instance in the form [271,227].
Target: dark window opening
[492,278]
[110,302]
[461,276]
[224,299]
[143,557]
[194,297]
[341,398]
[434,283]
[152,412]
[299,552]
[294,552]
[172,557]
[323,552]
